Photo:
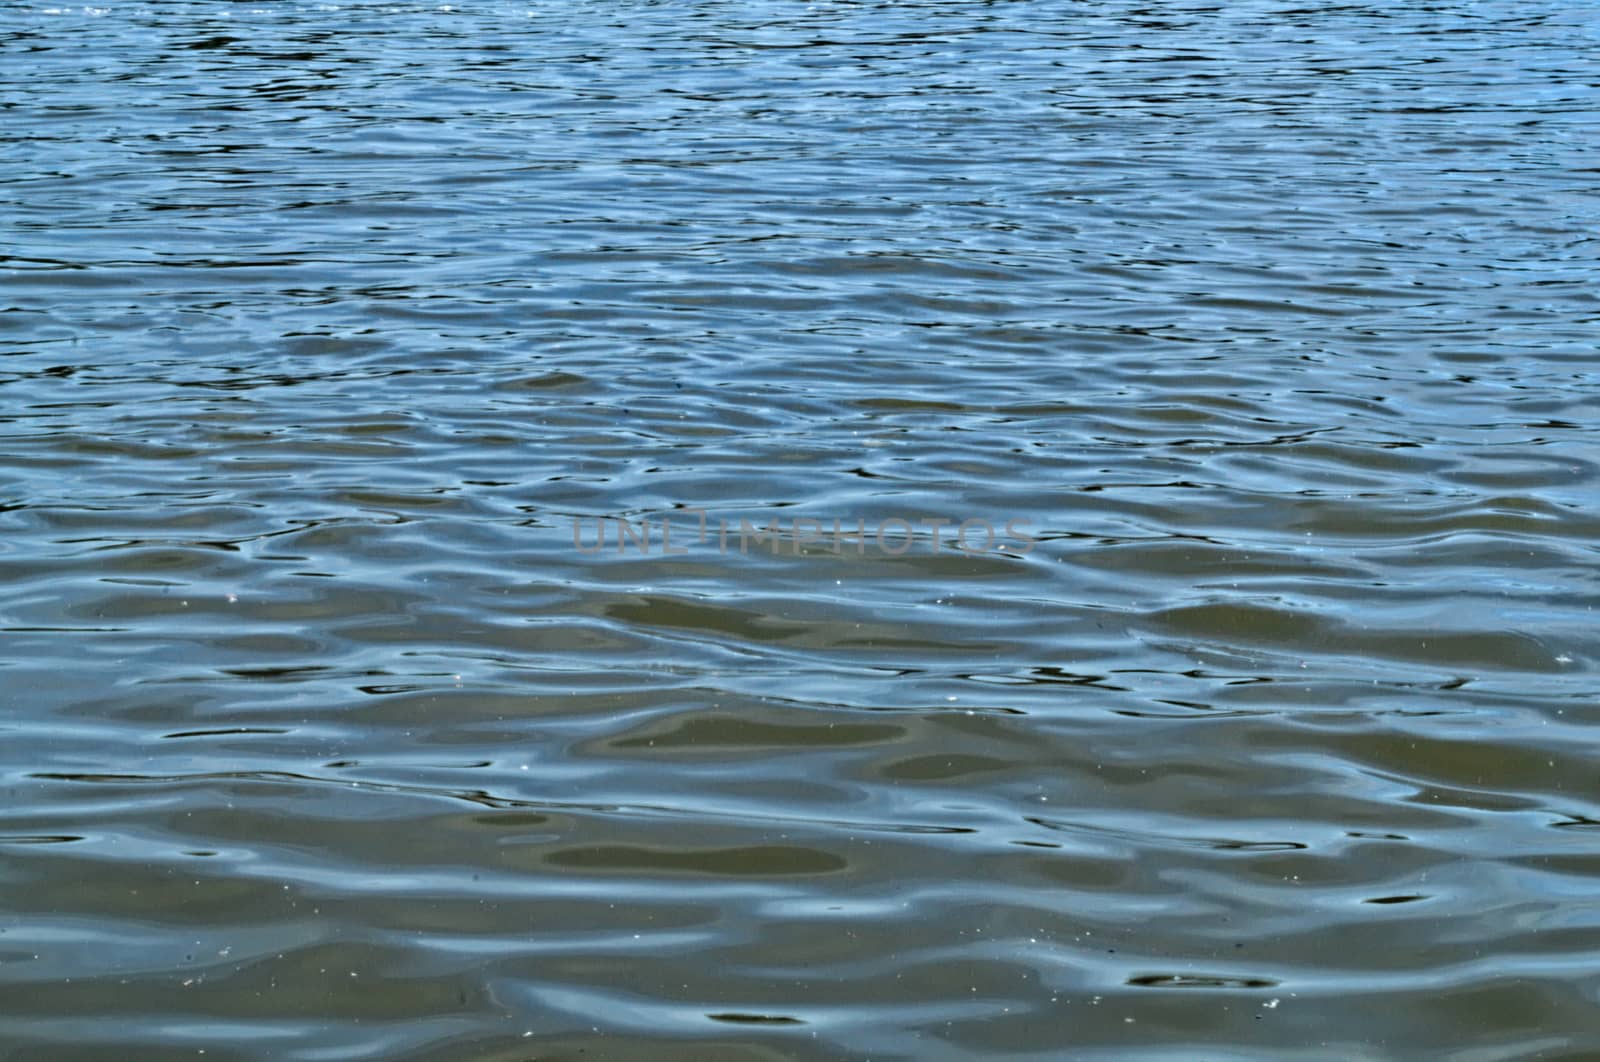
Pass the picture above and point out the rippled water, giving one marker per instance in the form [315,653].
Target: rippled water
[334,336]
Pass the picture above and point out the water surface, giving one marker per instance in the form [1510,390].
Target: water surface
[1272,327]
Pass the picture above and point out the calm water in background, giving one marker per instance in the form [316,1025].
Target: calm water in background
[1276,324]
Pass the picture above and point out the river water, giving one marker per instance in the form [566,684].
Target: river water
[1131,479]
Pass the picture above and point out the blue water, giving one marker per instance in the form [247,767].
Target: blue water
[1261,336]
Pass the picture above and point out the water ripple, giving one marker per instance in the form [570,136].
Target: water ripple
[1260,337]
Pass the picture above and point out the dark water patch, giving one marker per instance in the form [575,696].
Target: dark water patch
[1200,981]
